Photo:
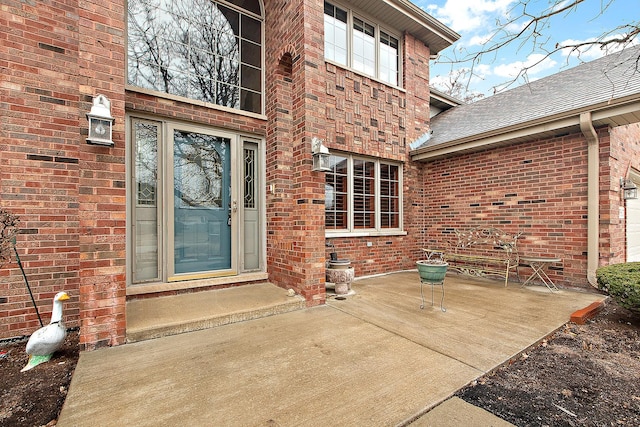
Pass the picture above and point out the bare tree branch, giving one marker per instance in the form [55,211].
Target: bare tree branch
[524,29]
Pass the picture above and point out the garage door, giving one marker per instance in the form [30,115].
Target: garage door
[633,229]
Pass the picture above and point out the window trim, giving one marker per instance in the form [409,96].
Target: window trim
[378,28]
[351,230]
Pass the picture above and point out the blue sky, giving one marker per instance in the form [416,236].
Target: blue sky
[476,20]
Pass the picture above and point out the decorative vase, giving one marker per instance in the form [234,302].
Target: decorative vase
[432,271]
[342,278]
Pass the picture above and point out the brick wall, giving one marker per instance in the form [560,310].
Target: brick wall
[295,204]
[139,103]
[538,188]
[370,118]
[102,193]
[56,57]
[623,153]
[40,161]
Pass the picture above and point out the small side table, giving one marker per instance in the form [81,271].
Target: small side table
[538,265]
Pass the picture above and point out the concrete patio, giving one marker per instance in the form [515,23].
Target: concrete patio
[374,358]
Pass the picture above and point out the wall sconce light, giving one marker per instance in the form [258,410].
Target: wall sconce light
[320,155]
[100,122]
[629,189]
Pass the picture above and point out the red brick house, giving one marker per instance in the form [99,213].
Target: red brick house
[548,159]
[210,179]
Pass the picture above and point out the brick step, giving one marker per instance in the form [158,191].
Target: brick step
[151,318]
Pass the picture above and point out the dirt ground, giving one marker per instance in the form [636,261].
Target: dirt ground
[585,375]
[35,397]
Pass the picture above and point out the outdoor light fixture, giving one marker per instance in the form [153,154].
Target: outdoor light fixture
[320,155]
[100,122]
[629,189]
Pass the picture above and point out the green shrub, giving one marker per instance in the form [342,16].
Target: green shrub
[622,283]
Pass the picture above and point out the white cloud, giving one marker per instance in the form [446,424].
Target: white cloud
[440,82]
[481,71]
[479,40]
[470,15]
[516,26]
[536,63]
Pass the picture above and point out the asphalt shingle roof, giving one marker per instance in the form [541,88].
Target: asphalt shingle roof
[598,82]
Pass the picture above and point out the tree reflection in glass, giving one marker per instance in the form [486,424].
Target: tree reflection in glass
[198,49]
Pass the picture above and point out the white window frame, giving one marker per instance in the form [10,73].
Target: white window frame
[351,14]
[377,230]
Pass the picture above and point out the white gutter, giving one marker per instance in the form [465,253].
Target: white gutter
[501,135]
[593,196]
[603,114]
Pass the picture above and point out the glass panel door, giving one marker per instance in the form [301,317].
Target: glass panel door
[196,202]
[202,202]
[146,194]
[252,226]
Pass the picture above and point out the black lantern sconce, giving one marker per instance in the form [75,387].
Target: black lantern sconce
[100,122]
[320,155]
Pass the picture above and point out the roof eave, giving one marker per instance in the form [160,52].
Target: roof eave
[620,113]
[418,15]
[444,98]
[407,17]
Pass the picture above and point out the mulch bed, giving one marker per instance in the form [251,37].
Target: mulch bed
[35,397]
[583,375]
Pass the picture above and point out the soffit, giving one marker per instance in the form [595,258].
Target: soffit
[404,15]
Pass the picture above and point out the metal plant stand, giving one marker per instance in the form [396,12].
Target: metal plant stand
[441,284]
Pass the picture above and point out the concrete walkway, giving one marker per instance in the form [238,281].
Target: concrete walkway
[372,359]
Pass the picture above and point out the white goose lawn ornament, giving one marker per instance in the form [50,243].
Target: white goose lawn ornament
[46,340]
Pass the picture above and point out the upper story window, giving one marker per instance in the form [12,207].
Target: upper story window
[356,43]
[200,49]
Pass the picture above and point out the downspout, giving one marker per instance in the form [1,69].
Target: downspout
[593,196]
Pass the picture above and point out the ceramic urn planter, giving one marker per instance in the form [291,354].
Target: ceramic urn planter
[341,274]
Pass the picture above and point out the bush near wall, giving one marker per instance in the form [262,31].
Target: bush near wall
[622,283]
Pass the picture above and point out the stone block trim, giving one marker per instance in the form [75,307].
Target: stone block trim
[581,316]
[367,117]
